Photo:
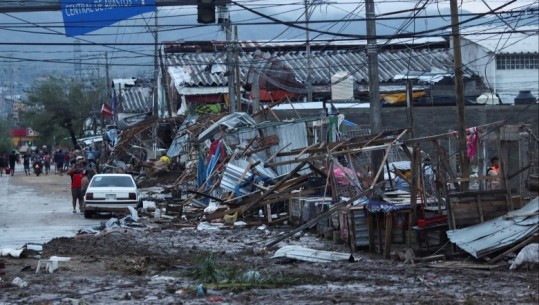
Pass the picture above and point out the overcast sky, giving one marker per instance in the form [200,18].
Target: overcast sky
[18,61]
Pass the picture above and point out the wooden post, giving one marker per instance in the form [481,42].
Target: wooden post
[370,223]
[389,234]
[416,164]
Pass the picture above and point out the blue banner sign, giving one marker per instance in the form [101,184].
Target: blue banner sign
[84,16]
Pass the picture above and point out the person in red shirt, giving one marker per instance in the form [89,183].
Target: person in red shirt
[76,175]
[493,172]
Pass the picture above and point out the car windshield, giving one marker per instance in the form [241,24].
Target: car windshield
[112,181]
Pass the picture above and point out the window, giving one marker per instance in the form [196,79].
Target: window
[517,61]
[112,181]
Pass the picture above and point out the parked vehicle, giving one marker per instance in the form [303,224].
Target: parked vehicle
[110,193]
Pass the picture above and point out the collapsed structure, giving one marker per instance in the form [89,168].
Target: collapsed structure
[317,174]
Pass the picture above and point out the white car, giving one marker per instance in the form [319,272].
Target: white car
[110,193]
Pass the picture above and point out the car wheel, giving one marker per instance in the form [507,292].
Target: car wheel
[88,214]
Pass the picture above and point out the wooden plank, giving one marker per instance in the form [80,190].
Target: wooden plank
[388,234]
[388,150]
[450,134]
[322,157]
[325,215]
[246,207]
[370,223]
[480,208]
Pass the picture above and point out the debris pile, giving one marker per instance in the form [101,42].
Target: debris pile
[233,169]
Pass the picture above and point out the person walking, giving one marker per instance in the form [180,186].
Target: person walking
[47,162]
[13,158]
[76,188]
[58,162]
[26,163]
[66,160]
[3,163]
[85,182]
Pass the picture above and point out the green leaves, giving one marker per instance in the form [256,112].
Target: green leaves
[58,107]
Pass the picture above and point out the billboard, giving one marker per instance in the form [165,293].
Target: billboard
[84,16]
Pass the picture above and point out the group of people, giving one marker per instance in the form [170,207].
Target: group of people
[7,163]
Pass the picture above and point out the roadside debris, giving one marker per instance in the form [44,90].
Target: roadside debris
[310,255]
[16,253]
[19,282]
[219,171]
[529,255]
[51,264]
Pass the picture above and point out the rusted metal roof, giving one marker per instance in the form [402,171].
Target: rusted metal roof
[205,68]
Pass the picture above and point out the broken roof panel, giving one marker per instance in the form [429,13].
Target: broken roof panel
[195,69]
[493,235]
[181,138]
[231,121]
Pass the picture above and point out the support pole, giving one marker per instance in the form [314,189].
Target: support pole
[459,93]
[155,69]
[374,90]
[237,75]
[230,67]
[308,51]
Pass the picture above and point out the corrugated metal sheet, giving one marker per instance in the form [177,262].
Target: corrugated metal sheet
[180,142]
[310,255]
[233,174]
[293,133]
[496,234]
[199,66]
[134,95]
[136,99]
[360,227]
[229,122]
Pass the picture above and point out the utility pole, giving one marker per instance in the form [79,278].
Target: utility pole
[374,90]
[109,95]
[237,75]
[230,67]
[155,69]
[308,50]
[459,93]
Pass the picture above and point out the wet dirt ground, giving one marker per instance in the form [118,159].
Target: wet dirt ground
[157,265]
[164,263]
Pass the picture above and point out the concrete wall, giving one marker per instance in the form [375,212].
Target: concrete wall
[434,120]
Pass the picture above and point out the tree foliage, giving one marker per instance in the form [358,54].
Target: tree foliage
[5,138]
[58,107]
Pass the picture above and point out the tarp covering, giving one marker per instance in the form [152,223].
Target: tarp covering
[496,234]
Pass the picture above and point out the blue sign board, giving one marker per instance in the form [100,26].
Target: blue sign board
[84,16]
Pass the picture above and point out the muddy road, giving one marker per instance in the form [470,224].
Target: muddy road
[169,263]
[36,209]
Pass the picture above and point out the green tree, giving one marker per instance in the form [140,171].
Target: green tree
[57,108]
[5,138]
